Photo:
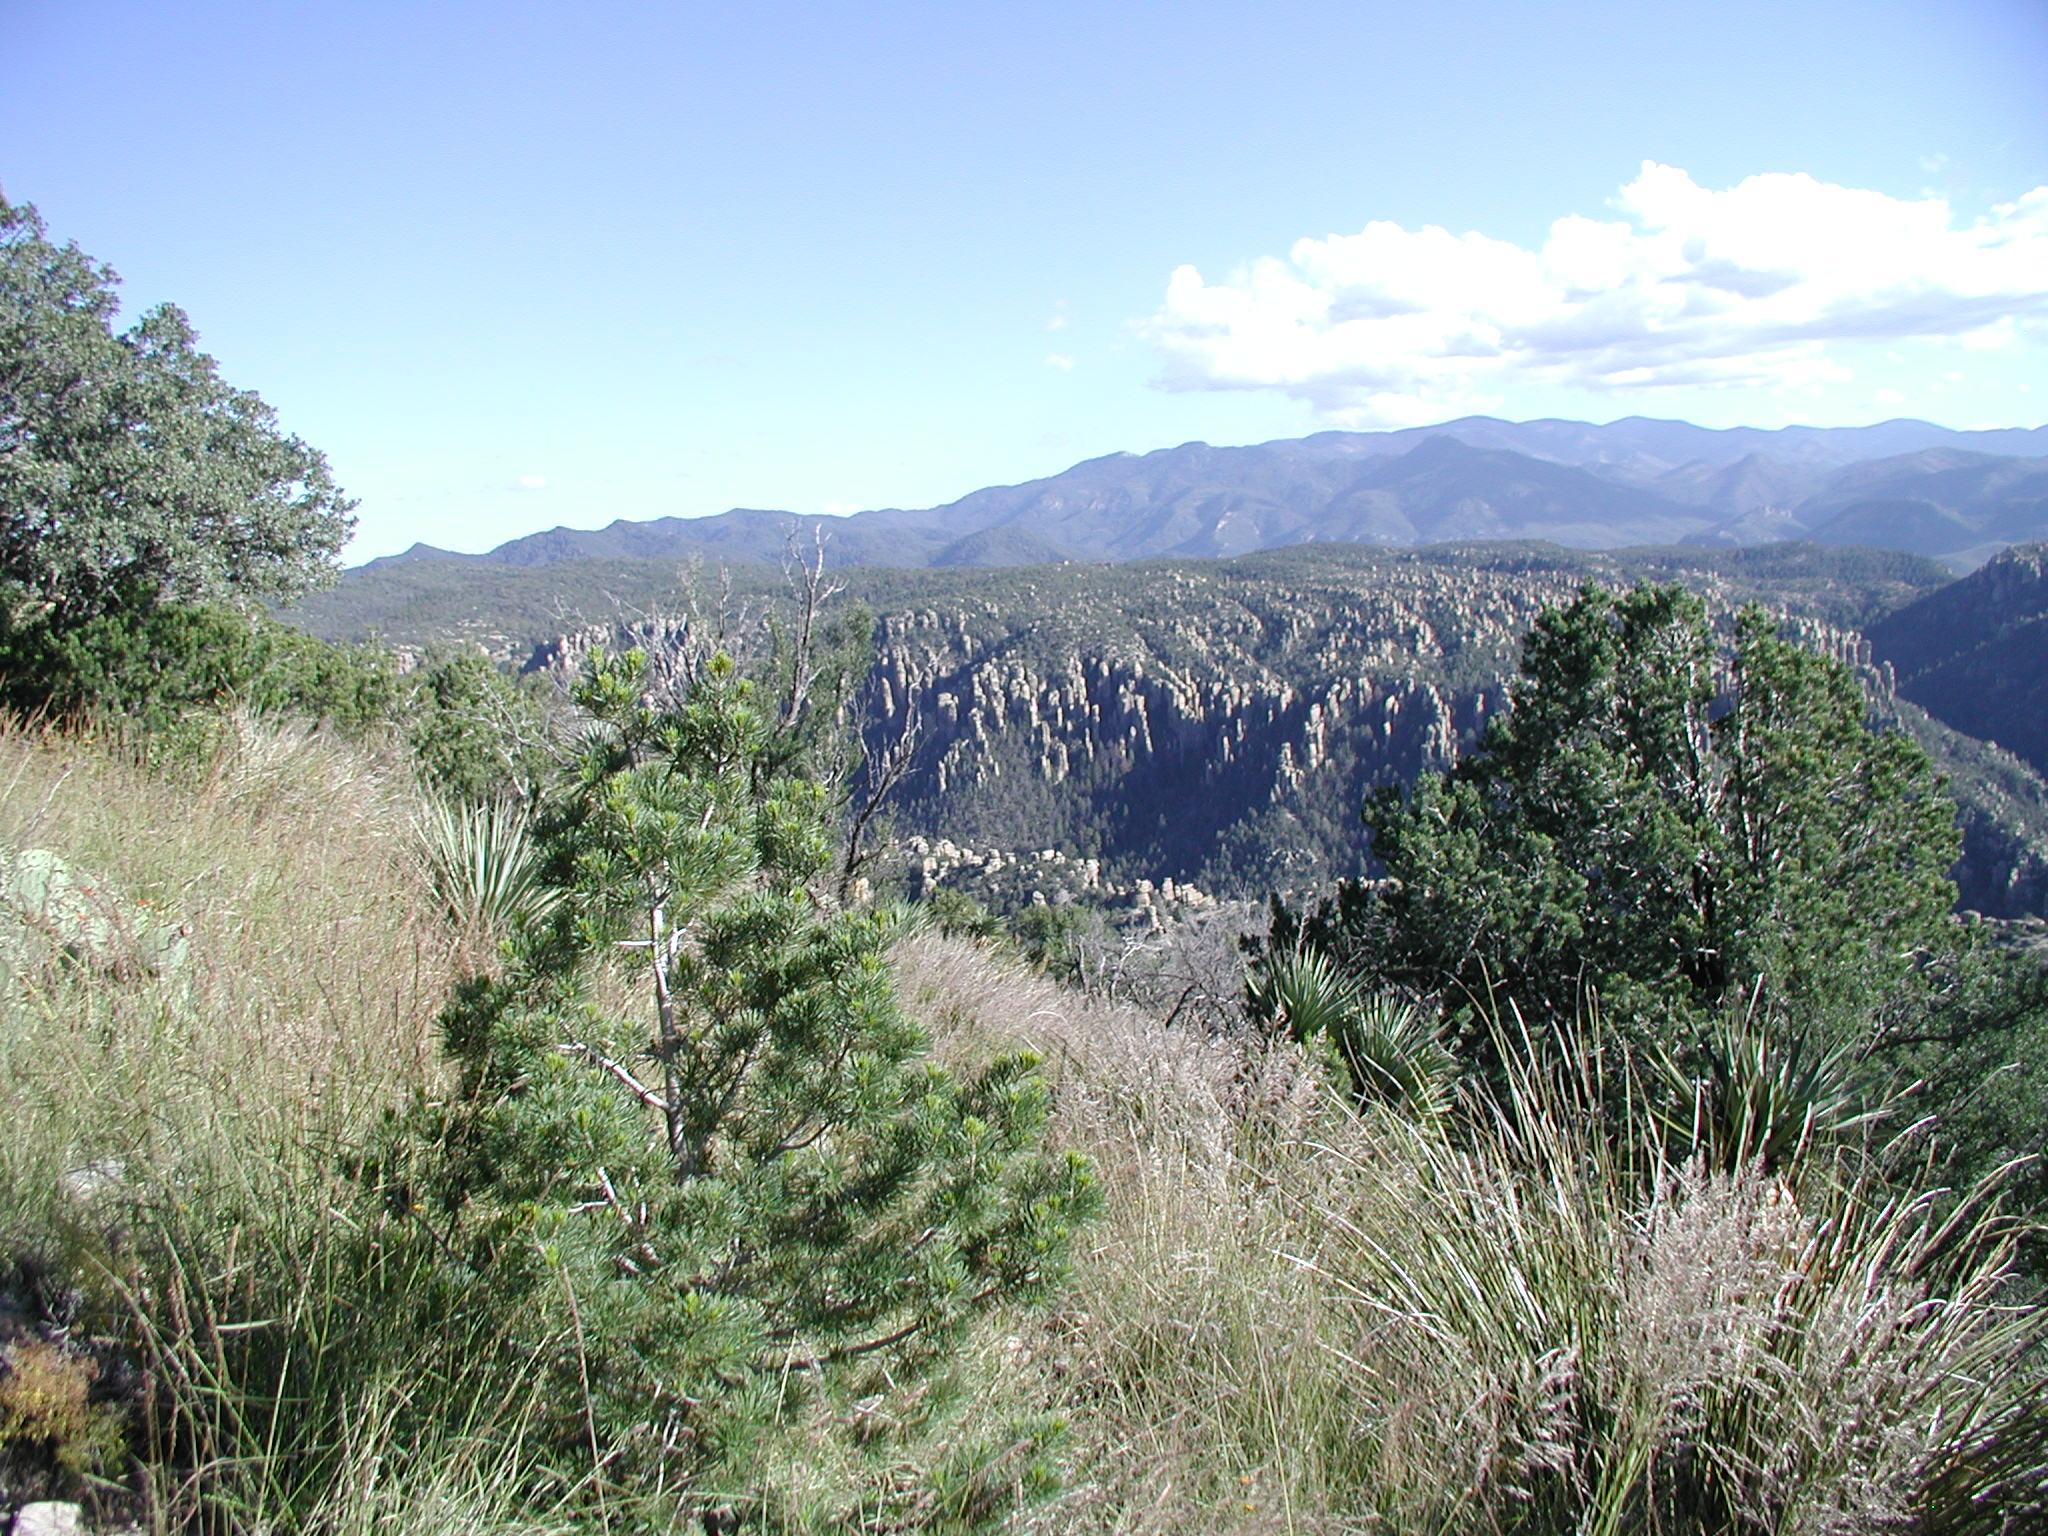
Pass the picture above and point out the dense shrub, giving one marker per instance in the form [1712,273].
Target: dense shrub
[475,734]
[148,664]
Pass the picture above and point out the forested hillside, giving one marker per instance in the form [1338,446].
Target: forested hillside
[1975,654]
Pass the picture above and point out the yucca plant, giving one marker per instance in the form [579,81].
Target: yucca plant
[1386,1045]
[1757,1091]
[484,867]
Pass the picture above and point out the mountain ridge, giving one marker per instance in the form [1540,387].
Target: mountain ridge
[1635,481]
[1974,653]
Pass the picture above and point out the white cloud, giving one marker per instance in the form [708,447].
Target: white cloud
[530,483]
[1059,360]
[1058,320]
[1755,285]
[1995,337]
[840,508]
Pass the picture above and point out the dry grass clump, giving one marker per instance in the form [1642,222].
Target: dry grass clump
[1542,1344]
[1189,1355]
[1298,1318]
[314,968]
[173,1129]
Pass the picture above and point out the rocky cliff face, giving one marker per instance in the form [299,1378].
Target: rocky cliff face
[1192,724]
[1219,724]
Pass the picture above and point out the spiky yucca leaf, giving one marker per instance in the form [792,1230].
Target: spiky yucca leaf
[1304,991]
[1765,1093]
[484,866]
[1396,1057]
[1386,1044]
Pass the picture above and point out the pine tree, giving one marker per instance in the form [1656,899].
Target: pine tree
[757,1185]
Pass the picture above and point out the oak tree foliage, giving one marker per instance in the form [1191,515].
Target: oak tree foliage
[131,473]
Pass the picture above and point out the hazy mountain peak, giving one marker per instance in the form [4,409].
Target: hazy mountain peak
[1900,484]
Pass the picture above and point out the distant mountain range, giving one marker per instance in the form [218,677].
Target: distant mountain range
[1910,486]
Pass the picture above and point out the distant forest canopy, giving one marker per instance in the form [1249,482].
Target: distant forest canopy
[1220,721]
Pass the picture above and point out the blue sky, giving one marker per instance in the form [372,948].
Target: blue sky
[519,265]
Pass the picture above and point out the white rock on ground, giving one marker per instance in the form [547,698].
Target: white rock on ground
[49,1519]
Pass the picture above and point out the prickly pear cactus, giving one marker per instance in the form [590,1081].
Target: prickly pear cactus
[50,908]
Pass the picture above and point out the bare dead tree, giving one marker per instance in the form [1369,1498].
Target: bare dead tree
[1188,972]
[879,780]
[516,738]
[804,571]
[726,622]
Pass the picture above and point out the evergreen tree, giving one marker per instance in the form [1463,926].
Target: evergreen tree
[759,1187]
[1678,831]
